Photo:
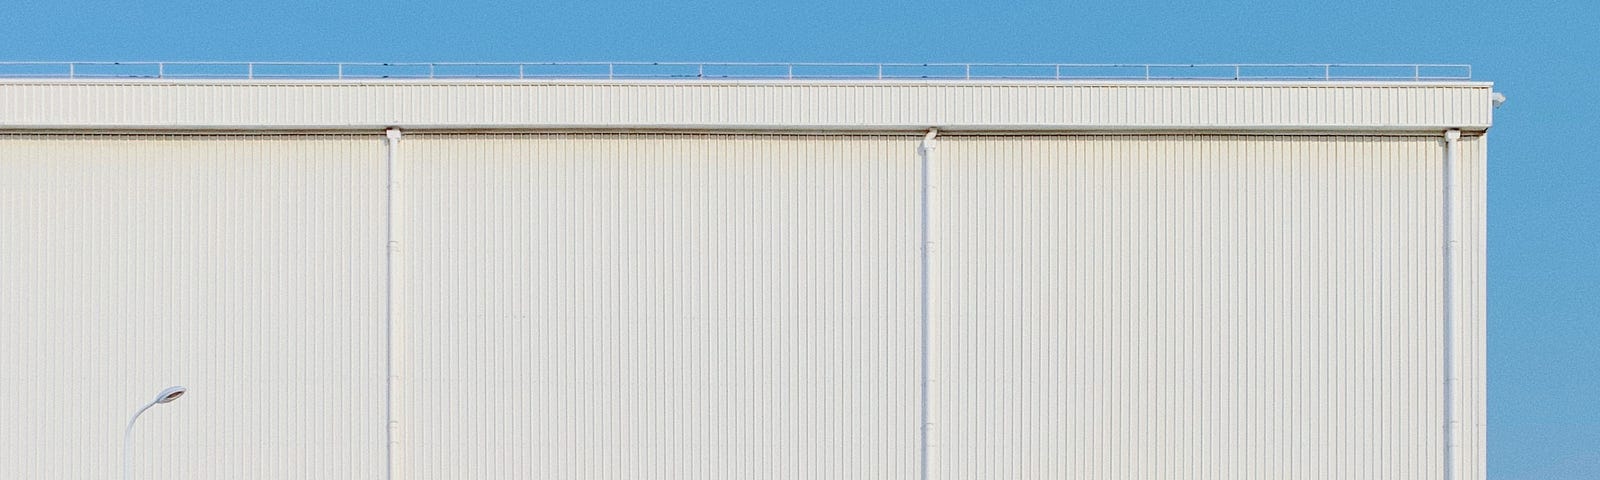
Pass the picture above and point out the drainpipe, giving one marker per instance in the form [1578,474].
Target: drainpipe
[390,264]
[1452,303]
[930,189]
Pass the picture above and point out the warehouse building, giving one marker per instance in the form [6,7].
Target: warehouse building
[745,271]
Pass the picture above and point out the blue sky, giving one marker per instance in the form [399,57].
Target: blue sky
[1544,357]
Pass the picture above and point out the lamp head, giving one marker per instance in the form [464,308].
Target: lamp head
[170,394]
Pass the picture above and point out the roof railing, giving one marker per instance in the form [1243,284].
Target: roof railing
[733,71]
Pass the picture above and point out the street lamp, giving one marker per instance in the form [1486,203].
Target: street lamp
[166,396]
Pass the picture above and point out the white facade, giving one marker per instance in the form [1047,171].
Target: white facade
[699,279]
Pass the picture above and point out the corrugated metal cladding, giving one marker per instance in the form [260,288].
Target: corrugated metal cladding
[248,269]
[624,306]
[1198,307]
[746,105]
[734,305]
[1118,307]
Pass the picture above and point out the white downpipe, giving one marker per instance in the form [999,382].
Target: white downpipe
[930,194]
[391,372]
[1452,303]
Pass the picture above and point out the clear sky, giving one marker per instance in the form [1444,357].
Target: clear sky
[1544,278]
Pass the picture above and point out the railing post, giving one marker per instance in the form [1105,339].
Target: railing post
[1146,72]
[611,71]
[520,74]
[161,70]
[1327,72]
[702,71]
[1235,72]
[72,70]
[791,71]
[1416,72]
[250,71]
[880,71]
[969,71]
[341,71]
[430,71]
[1058,72]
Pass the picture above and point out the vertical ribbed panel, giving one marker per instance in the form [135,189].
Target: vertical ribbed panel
[249,269]
[627,306]
[1474,351]
[735,306]
[1196,307]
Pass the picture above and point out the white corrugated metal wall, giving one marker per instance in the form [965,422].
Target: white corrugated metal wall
[678,306]
[733,305]
[248,268]
[1475,326]
[1196,307]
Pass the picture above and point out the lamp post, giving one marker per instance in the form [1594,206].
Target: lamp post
[166,396]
